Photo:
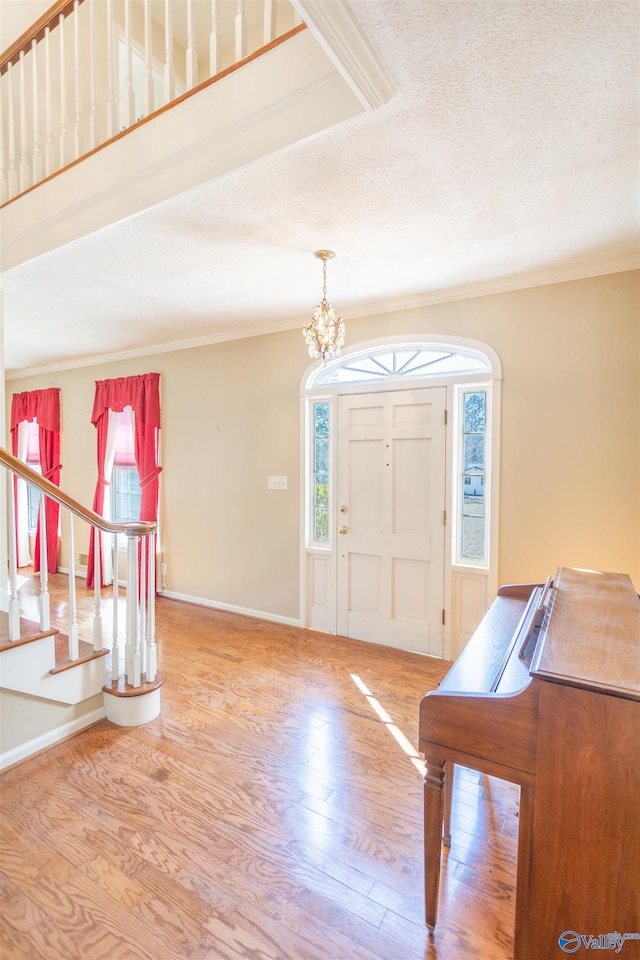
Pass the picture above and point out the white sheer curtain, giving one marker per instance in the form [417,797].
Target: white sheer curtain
[22,501]
[109,457]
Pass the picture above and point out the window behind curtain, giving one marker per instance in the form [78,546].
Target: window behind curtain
[125,481]
[33,460]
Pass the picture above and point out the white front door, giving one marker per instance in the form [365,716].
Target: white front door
[390,500]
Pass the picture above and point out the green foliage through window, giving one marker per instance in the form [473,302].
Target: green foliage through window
[321,472]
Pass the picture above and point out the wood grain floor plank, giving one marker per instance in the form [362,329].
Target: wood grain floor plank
[302,935]
[269,813]
[25,931]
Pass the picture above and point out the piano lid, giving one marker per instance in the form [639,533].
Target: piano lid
[592,639]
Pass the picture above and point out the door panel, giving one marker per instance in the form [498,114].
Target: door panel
[410,590]
[410,467]
[364,574]
[391,480]
[365,492]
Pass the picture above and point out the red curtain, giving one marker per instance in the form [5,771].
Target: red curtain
[43,406]
[142,394]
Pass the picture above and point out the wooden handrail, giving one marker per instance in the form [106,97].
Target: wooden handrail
[35,32]
[141,528]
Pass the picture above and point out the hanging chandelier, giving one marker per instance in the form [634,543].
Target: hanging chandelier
[324,333]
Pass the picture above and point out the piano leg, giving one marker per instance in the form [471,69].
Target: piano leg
[433,812]
[523,879]
[448,802]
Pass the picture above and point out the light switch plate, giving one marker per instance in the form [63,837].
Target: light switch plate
[277,483]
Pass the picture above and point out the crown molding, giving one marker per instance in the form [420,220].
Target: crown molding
[488,288]
[363,309]
[341,37]
[240,333]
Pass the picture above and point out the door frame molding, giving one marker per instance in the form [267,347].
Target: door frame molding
[467,588]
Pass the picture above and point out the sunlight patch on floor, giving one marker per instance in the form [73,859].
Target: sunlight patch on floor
[395,731]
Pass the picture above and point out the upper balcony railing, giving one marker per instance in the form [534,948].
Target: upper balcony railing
[89,70]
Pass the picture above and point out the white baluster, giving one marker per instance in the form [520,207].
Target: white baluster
[116,644]
[214,39]
[45,606]
[74,652]
[128,79]
[4,194]
[241,30]
[13,168]
[269,12]
[169,69]
[14,602]
[37,156]
[78,130]
[112,104]
[142,607]
[94,134]
[25,182]
[152,655]
[192,54]
[148,66]
[132,650]
[49,150]
[97,581]
[64,126]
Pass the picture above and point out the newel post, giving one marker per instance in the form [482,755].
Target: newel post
[132,642]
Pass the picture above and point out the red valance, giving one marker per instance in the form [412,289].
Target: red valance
[43,405]
[142,393]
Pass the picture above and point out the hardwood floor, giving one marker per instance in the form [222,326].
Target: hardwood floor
[272,812]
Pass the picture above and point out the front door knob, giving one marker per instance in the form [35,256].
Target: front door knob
[343,530]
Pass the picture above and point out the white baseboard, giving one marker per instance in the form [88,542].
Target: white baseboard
[50,737]
[81,574]
[230,608]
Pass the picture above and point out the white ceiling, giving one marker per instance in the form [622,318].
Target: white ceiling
[508,157]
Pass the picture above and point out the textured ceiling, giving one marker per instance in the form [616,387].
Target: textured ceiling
[508,157]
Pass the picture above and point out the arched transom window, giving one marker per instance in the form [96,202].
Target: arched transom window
[409,361]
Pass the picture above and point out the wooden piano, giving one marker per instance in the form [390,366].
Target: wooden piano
[546,694]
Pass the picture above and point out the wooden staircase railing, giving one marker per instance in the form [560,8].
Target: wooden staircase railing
[134,657]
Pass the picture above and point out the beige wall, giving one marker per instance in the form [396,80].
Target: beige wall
[570,471]
[24,719]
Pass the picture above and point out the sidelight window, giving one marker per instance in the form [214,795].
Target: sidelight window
[471,525]
[320,477]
